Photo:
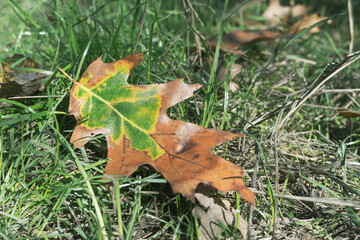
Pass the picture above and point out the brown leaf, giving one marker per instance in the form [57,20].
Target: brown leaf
[232,42]
[221,72]
[306,22]
[348,113]
[14,82]
[277,13]
[235,70]
[299,10]
[138,130]
[210,228]
[234,87]
[226,45]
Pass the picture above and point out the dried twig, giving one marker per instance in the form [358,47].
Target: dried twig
[334,201]
[196,15]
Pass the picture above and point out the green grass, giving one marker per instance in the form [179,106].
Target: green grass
[49,190]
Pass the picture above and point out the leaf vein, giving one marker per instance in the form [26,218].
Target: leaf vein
[109,105]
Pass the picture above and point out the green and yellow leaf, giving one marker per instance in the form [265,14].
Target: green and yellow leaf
[138,131]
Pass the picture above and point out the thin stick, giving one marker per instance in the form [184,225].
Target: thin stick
[339,90]
[63,72]
[141,26]
[196,36]
[334,201]
[351,26]
[196,15]
[274,143]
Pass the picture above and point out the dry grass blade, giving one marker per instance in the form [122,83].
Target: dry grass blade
[321,81]
[333,201]
[317,84]
[274,145]
[351,26]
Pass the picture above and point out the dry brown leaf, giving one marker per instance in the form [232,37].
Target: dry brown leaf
[298,10]
[232,42]
[138,131]
[221,72]
[306,22]
[209,227]
[277,13]
[226,45]
[234,87]
[15,82]
[234,71]
[348,113]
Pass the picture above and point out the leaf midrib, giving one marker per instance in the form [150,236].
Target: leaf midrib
[114,109]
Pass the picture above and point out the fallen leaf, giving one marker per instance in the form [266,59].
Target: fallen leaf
[277,13]
[232,42]
[222,71]
[226,45]
[15,82]
[235,70]
[234,87]
[306,22]
[299,10]
[348,113]
[138,131]
[209,227]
